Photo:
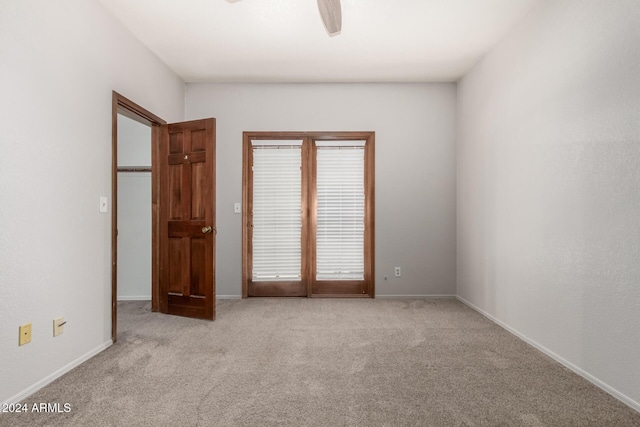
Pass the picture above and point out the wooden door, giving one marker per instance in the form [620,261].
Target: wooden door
[187,219]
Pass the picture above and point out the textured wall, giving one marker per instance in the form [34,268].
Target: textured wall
[415,161]
[59,63]
[548,160]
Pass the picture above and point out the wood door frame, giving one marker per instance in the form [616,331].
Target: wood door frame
[128,108]
[309,210]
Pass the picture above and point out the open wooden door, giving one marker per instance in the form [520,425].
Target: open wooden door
[187,224]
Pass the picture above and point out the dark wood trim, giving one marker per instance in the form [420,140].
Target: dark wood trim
[156,134]
[369,214]
[336,295]
[114,216]
[364,288]
[315,135]
[247,208]
[136,112]
[313,215]
[128,108]
[162,303]
[282,289]
[131,169]
[340,287]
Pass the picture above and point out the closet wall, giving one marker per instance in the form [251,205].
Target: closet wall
[134,211]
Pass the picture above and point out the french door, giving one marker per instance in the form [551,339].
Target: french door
[308,217]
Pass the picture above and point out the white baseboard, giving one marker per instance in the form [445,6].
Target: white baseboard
[413,296]
[228,296]
[57,374]
[135,298]
[595,381]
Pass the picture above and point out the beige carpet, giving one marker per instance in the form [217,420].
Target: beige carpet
[322,362]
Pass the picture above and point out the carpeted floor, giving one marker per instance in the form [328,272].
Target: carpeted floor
[322,362]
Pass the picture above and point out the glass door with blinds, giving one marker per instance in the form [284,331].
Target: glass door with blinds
[275,208]
[308,214]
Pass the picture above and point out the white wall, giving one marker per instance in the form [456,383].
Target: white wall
[134,211]
[549,187]
[60,62]
[134,142]
[415,168]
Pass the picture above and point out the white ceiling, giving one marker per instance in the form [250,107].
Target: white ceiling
[285,40]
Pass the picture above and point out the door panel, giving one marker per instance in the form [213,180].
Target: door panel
[354,288]
[198,183]
[277,289]
[187,219]
[276,227]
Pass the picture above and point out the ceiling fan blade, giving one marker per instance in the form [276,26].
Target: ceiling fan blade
[331,13]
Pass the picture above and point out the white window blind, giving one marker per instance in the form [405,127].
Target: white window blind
[277,218]
[340,216]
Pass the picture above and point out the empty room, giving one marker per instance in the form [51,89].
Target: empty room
[320,212]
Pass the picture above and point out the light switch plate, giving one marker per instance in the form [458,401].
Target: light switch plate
[103,204]
[58,326]
[237,208]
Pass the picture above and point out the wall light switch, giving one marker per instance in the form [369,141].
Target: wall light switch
[103,204]
[58,326]
[237,208]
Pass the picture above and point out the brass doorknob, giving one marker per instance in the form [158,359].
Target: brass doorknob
[206,229]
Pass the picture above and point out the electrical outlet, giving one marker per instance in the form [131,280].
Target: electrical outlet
[25,334]
[398,272]
[58,326]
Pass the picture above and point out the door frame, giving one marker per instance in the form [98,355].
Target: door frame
[309,212]
[128,108]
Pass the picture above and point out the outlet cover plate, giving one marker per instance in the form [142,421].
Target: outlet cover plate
[25,334]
